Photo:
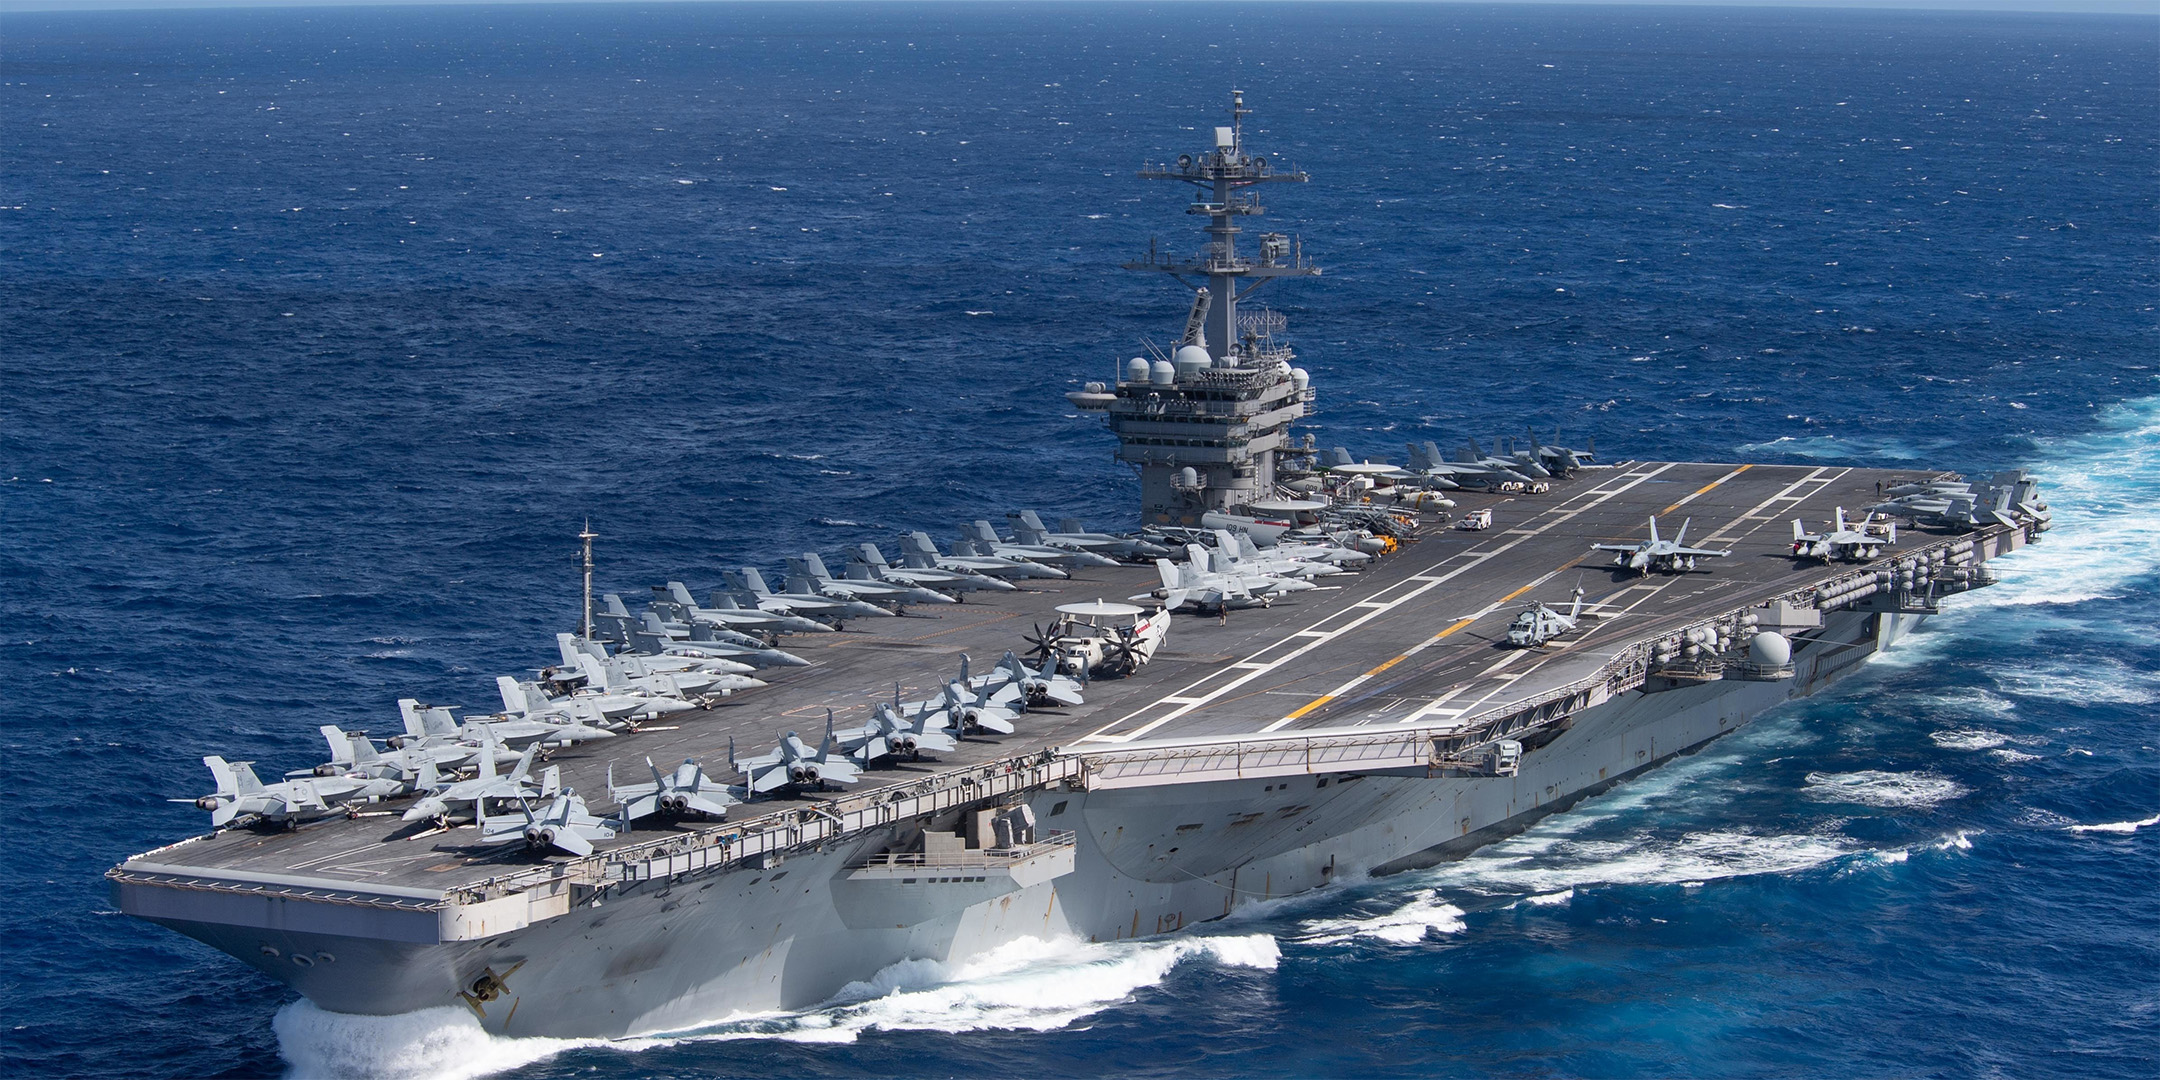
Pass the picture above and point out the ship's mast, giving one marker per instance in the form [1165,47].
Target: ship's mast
[1204,425]
[1225,178]
[587,536]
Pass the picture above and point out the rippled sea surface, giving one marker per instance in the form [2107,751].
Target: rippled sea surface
[324,329]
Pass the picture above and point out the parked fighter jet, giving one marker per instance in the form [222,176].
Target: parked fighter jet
[750,588]
[740,613]
[442,797]
[1560,460]
[1471,470]
[354,754]
[1657,555]
[1237,554]
[572,718]
[687,790]
[986,538]
[652,637]
[289,802]
[793,764]
[1194,585]
[565,825]
[868,564]
[1539,624]
[807,573]
[1844,542]
[676,675]
[964,710]
[1013,683]
[888,734]
[920,553]
[1028,529]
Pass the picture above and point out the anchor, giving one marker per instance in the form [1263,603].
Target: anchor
[486,988]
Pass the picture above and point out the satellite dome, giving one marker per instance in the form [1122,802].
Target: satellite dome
[1136,369]
[1162,374]
[1769,650]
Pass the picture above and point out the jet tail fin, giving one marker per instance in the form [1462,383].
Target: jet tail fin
[340,745]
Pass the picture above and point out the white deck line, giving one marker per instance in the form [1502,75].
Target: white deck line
[1557,515]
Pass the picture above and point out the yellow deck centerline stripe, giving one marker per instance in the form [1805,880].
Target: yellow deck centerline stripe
[1705,487]
[1459,624]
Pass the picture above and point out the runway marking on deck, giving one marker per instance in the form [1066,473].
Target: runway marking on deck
[1555,515]
[1699,492]
[1646,591]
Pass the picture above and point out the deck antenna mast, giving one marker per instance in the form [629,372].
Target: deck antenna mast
[588,536]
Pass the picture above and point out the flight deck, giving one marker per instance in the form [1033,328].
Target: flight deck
[1415,640]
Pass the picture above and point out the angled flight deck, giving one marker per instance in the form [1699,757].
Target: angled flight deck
[1414,640]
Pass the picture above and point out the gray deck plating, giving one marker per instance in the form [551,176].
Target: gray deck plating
[1412,640]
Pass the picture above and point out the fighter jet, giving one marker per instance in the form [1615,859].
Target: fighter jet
[289,802]
[677,676]
[750,588]
[961,711]
[1657,555]
[530,703]
[354,754]
[1237,554]
[868,564]
[1013,683]
[888,734]
[1027,527]
[1557,459]
[732,612]
[1844,542]
[442,797]
[1471,470]
[564,825]
[807,573]
[792,764]
[1193,585]
[920,553]
[433,725]
[652,637]
[1539,624]
[687,790]
[985,538]
[591,697]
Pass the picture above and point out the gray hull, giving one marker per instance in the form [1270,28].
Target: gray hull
[669,954]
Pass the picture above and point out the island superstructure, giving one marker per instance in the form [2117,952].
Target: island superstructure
[1367,728]
[1204,425]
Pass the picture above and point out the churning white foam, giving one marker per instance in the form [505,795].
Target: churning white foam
[2120,827]
[2100,489]
[1968,739]
[1884,790]
[1024,985]
[1643,860]
[1406,925]
[440,1044]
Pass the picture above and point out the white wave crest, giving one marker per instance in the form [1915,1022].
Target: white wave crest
[1406,925]
[1024,985]
[440,1044]
[1885,790]
[2100,489]
[2012,757]
[1644,860]
[2123,828]
[1969,739]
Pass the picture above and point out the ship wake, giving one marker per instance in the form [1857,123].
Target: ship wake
[1024,985]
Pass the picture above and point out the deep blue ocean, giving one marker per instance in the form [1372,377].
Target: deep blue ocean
[322,331]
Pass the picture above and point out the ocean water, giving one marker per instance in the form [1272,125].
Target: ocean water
[326,328]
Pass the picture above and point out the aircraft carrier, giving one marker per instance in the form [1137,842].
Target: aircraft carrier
[1359,728]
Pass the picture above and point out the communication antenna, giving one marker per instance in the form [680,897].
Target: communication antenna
[588,536]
